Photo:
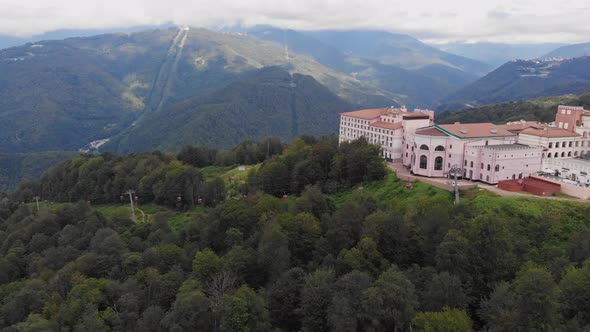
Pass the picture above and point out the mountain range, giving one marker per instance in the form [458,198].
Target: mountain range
[161,88]
[524,79]
[496,54]
[570,51]
[64,94]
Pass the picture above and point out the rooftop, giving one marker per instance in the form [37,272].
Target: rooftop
[475,130]
[430,131]
[521,125]
[514,146]
[386,125]
[367,114]
[549,132]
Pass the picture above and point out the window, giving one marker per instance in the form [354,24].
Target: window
[577,143]
[489,167]
[438,163]
[497,168]
[549,155]
[563,154]
[550,145]
[451,146]
[465,162]
[487,178]
[423,162]
[472,164]
[481,166]
[575,153]
[439,148]
[570,145]
[569,154]
[423,147]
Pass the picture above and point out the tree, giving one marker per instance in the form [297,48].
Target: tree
[316,298]
[536,299]
[499,310]
[391,301]
[444,290]
[206,264]
[284,300]
[575,294]
[449,320]
[347,312]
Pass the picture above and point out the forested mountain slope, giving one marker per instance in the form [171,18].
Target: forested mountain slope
[266,102]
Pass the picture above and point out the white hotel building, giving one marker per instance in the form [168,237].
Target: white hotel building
[383,126]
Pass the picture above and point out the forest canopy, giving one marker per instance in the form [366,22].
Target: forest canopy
[348,248]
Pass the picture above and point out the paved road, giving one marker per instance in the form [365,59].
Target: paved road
[405,175]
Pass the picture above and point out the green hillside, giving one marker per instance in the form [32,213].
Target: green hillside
[19,167]
[541,109]
[61,95]
[268,102]
[326,257]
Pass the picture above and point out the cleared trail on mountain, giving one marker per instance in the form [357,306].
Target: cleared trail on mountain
[162,82]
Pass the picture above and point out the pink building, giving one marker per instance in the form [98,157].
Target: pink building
[485,151]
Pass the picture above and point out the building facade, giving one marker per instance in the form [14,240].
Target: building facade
[484,151]
[383,126]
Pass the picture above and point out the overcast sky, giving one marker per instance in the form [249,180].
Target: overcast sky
[517,21]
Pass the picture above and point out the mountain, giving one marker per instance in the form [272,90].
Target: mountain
[61,95]
[539,109]
[570,51]
[266,102]
[416,87]
[497,54]
[524,79]
[19,167]
[12,41]
[396,49]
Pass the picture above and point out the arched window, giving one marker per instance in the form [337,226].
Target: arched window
[563,154]
[472,164]
[549,155]
[439,148]
[438,163]
[569,154]
[423,147]
[575,153]
[423,162]
[489,167]
[497,168]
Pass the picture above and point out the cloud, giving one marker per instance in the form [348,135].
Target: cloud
[525,21]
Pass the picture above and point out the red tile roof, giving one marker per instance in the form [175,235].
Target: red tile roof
[387,125]
[549,132]
[430,131]
[367,114]
[473,130]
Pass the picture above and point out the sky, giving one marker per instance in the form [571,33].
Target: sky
[517,21]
